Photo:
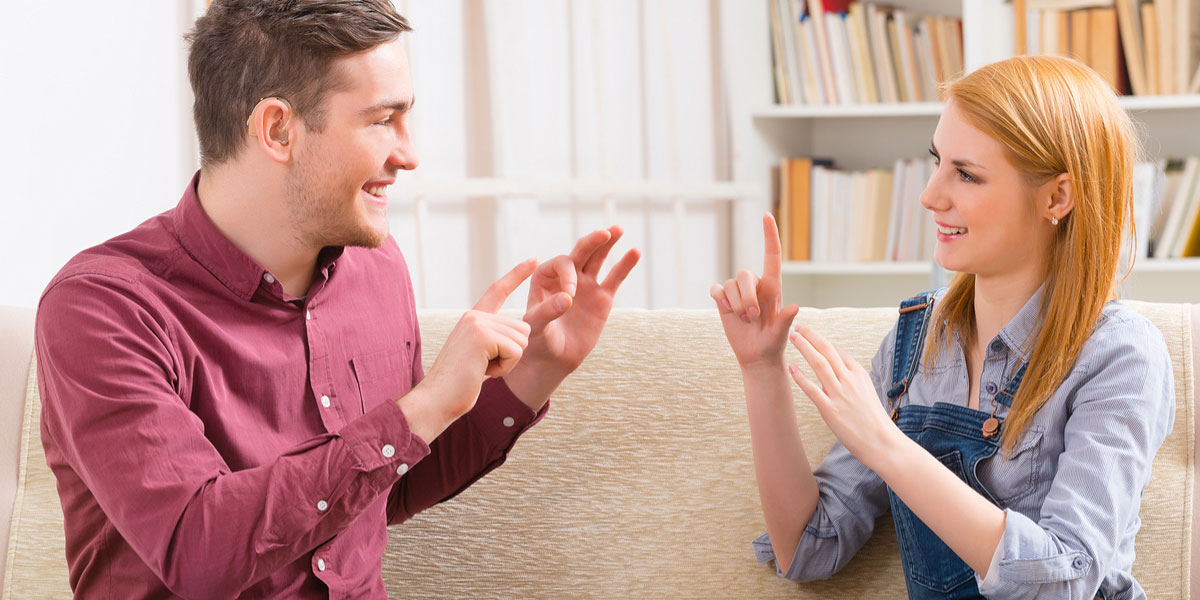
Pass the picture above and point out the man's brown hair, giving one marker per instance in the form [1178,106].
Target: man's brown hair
[245,50]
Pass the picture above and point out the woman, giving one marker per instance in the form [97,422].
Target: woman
[1009,421]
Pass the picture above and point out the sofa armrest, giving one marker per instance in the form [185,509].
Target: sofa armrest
[16,347]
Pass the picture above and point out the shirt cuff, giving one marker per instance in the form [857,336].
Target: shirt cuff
[382,438]
[1029,558]
[500,417]
[993,573]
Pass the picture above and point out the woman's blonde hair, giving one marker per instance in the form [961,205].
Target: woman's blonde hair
[1053,115]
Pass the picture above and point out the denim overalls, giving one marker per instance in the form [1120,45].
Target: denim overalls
[959,437]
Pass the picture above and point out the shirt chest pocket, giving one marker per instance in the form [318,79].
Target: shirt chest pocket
[383,376]
[1013,476]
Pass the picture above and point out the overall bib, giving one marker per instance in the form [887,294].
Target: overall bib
[959,437]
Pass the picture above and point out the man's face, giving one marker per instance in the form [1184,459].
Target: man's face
[336,189]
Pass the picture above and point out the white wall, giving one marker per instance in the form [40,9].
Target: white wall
[91,140]
[98,133]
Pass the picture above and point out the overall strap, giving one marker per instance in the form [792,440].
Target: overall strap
[915,314]
[1006,395]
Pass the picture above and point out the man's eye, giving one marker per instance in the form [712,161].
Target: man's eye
[385,122]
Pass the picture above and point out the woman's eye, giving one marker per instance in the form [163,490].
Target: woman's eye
[965,176]
[936,159]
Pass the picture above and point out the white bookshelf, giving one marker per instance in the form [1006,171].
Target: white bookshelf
[875,135]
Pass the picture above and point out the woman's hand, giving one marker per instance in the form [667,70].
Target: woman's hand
[846,397]
[756,324]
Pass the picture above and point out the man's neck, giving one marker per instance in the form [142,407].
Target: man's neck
[251,211]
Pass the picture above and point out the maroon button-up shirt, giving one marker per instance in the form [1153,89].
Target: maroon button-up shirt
[215,438]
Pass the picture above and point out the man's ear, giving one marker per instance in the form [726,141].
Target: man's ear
[1059,198]
[269,127]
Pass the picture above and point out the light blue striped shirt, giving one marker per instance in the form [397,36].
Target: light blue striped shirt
[1071,488]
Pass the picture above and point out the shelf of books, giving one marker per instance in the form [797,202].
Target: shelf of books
[854,105]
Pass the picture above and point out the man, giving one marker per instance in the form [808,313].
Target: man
[233,397]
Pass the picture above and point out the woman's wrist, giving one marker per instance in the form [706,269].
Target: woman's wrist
[768,367]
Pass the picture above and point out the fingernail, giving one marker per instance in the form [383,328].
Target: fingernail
[725,306]
[570,289]
[560,303]
[795,336]
[792,369]
[752,312]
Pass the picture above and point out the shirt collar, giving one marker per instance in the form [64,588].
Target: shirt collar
[1017,334]
[231,266]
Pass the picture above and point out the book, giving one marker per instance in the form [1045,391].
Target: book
[783,206]
[1162,203]
[860,48]
[1105,47]
[903,48]
[881,47]
[814,87]
[1168,82]
[1179,209]
[1081,38]
[926,64]
[1130,23]
[1152,56]
[799,201]
[839,51]
[778,56]
[820,220]
[816,13]
[1186,43]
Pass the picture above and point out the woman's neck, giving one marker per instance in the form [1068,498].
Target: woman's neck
[998,298]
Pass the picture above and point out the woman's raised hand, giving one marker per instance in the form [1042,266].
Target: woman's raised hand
[755,321]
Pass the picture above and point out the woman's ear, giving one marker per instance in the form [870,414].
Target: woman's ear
[1059,198]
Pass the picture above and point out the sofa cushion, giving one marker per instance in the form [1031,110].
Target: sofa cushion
[640,483]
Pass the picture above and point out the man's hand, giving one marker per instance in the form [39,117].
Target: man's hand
[482,344]
[756,324]
[567,309]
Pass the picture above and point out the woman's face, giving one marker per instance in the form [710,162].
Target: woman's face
[986,215]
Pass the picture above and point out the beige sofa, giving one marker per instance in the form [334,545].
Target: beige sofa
[638,484]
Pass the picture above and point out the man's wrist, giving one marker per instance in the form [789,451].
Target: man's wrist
[533,381]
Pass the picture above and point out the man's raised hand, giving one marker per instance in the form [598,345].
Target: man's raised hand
[568,306]
[482,344]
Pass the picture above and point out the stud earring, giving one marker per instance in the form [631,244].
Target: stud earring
[1053,220]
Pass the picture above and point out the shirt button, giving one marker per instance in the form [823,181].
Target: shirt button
[389,450]
[509,421]
[402,469]
[269,278]
[325,401]
[997,346]
[320,564]
[322,505]
[990,388]
[1078,563]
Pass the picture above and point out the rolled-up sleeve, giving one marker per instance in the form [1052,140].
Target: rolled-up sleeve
[851,498]
[1120,413]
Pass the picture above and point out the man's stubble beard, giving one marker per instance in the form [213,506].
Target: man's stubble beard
[317,215]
